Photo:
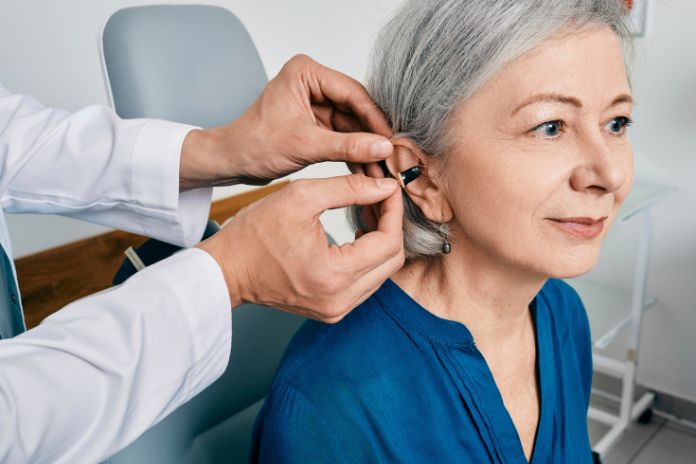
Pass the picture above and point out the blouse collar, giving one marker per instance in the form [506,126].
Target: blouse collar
[418,319]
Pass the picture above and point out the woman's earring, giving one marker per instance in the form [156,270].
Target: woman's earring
[446,246]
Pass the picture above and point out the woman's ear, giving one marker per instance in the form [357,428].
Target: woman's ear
[424,191]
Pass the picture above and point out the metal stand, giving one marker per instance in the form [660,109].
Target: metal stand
[606,308]
[626,369]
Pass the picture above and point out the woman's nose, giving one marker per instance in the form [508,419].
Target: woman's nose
[600,169]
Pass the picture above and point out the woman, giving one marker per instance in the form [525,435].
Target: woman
[517,114]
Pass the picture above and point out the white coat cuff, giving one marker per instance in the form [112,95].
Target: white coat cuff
[196,280]
[178,218]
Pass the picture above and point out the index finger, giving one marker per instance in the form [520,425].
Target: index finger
[350,96]
[320,195]
[375,248]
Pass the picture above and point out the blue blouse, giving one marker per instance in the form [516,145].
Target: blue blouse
[393,383]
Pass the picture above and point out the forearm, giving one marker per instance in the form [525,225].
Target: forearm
[94,376]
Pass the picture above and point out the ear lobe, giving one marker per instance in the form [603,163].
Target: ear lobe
[423,191]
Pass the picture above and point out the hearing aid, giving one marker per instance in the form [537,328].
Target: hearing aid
[409,175]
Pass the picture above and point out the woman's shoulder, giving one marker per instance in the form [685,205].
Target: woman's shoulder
[320,352]
[316,399]
[332,380]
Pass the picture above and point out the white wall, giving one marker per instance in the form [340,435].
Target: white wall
[49,49]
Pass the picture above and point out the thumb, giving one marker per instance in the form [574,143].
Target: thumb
[337,192]
[352,147]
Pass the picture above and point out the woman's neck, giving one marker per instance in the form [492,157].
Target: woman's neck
[488,296]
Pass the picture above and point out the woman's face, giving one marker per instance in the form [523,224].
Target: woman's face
[541,162]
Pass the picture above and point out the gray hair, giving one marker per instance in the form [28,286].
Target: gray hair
[432,55]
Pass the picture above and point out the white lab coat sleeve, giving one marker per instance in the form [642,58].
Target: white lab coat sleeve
[94,376]
[95,166]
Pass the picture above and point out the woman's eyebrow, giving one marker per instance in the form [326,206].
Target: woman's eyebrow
[549,98]
[624,98]
[565,99]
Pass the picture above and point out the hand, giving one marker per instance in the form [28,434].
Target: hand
[369,213]
[275,252]
[307,114]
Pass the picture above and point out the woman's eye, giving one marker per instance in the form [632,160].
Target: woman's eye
[551,129]
[618,126]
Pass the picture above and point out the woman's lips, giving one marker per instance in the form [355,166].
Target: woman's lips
[582,227]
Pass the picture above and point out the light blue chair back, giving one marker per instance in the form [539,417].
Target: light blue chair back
[197,64]
[194,64]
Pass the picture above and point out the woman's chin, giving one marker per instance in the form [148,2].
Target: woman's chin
[575,267]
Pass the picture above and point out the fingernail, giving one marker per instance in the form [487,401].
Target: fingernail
[381,149]
[386,183]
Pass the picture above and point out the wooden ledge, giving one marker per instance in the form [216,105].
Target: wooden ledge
[53,278]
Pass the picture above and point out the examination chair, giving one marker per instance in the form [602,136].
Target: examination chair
[196,64]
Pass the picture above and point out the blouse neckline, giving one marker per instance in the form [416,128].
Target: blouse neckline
[410,313]
[416,318]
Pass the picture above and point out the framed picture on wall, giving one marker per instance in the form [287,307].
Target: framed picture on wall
[638,16]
